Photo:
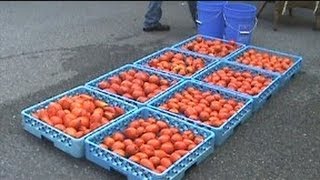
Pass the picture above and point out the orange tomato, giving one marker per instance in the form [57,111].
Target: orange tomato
[135,158]
[155,143]
[148,136]
[131,133]
[147,163]
[108,141]
[165,162]
[131,149]
[167,147]
[117,145]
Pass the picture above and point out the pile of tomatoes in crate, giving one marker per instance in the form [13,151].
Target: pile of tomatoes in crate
[242,81]
[265,60]
[216,48]
[207,107]
[135,85]
[152,143]
[78,115]
[177,63]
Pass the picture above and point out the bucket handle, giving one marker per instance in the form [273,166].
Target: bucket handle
[200,22]
[241,32]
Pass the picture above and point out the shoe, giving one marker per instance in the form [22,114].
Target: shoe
[159,27]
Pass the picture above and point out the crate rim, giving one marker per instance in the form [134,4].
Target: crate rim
[249,101]
[212,135]
[275,76]
[52,98]
[117,71]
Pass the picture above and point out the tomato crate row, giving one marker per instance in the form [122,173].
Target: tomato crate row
[52,122]
[257,84]
[134,84]
[287,65]
[175,62]
[155,162]
[209,47]
[213,108]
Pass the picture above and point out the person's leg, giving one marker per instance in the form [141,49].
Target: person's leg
[153,16]
[193,10]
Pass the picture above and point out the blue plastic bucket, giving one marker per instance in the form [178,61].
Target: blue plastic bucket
[210,18]
[240,21]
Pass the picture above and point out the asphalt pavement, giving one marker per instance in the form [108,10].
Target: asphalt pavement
[47,48]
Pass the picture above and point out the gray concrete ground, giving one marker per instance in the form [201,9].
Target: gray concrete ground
[50,47]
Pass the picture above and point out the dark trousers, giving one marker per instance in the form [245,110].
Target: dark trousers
[154,13]
[193,10]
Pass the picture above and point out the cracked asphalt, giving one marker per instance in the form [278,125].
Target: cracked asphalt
[47,48]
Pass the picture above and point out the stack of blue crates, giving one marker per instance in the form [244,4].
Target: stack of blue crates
[88,146]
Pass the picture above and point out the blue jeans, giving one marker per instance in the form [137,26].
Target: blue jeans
[193,10]
[153,15]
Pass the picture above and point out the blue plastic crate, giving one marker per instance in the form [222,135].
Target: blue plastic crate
[109,160]
[181,44]
[286,76]
[259,99]
[61,140]
[94,83]
[225,130]
[144,61]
